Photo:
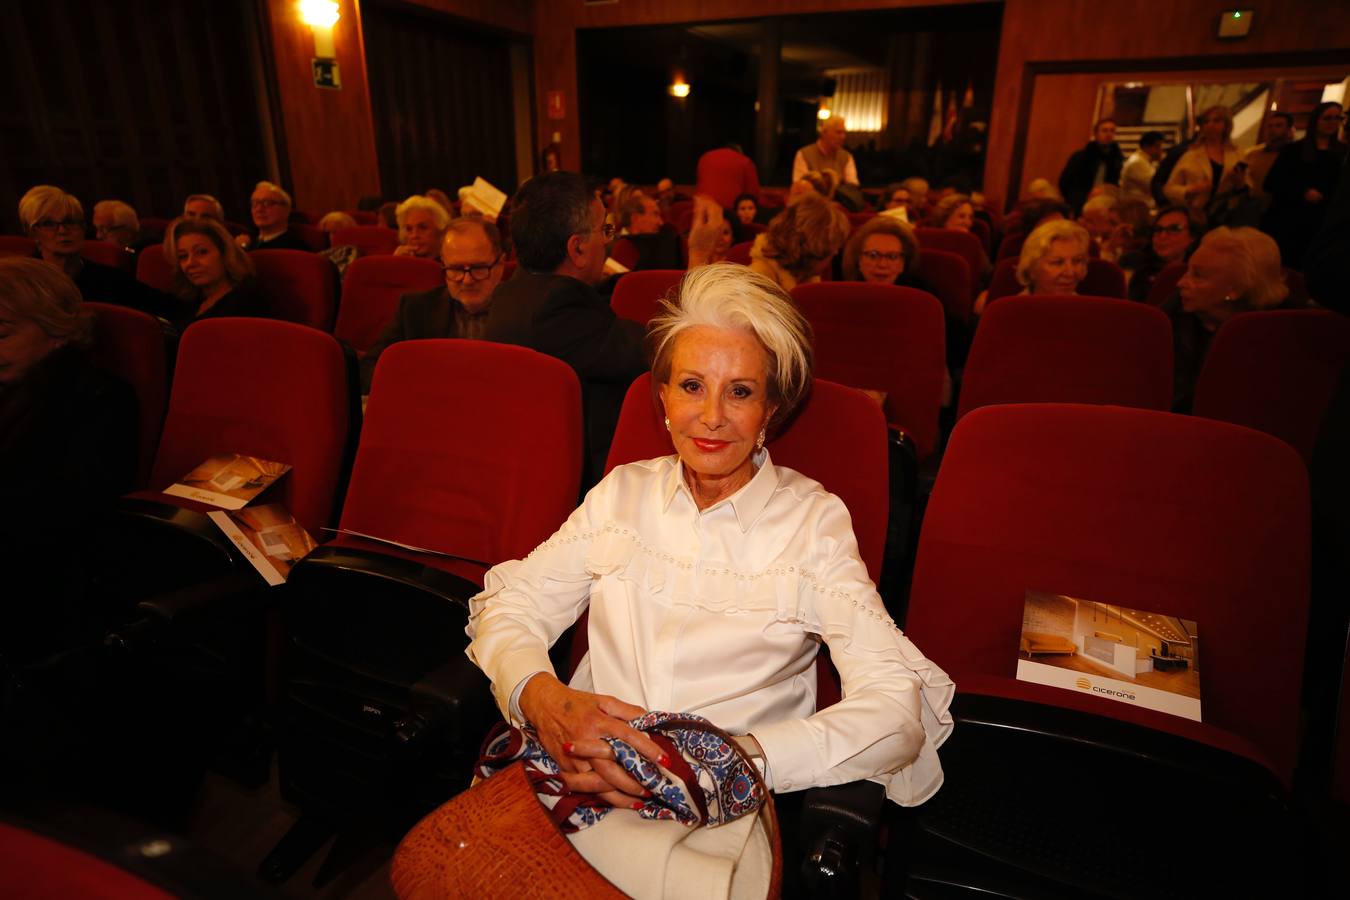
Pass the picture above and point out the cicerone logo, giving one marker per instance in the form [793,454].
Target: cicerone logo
[1084,684]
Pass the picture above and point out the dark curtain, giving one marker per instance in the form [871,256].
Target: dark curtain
[139,100]
[441,98]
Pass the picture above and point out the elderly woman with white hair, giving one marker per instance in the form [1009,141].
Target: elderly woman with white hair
[713,577]
[55,220]
[1233,270]
[421,227]
[1054,258]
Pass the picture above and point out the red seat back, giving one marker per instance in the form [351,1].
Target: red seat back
[369,240]
[155,228]
[153,269]
[1165,282]
[884,338]
[315,238]
[17,245]
[980,228]
[370,291]
[949,276]
[740,253]
[838,438]
[364,216]
[270,389]
[1039,349]
[417,478]
[1164,513]
[1275,371]
[962,243]
[637,295]
[625,253]
[37,866]
[130,344]
[297,286]
[1011,246]
[858,219]
[680,215]
[109,254]
[1103,279]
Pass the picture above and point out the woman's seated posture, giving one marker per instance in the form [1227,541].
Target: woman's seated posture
[421,227]
[211,273]
[1233,270]
[954,211]
[800,241]
[1174,229]
[712,577]
[1054,259]
[883,251]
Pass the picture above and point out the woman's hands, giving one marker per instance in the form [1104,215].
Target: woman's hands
[572,724]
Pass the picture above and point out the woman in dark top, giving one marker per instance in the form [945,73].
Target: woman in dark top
[1174,230]
[1301,182]
[884,251]
[55,220]
[211,273]
[67,450]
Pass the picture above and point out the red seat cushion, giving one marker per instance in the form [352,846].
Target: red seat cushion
[370,291]
[298,286]
[637,295]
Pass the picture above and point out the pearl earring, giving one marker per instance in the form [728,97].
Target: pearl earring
[667,423]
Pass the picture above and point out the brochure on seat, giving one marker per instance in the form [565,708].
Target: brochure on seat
[1127,655]
[268,536]
[229,481]
[486,197]
[402,546]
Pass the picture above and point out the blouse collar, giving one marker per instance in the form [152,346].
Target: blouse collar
[747,503]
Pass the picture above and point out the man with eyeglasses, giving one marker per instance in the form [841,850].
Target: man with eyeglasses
[551,305]
[271,207]
[472,260]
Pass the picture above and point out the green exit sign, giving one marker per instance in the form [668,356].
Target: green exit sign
[326,74]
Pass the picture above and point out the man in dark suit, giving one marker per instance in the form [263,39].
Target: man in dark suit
[271,208]
[471,256]
[1100,162]
[551,305]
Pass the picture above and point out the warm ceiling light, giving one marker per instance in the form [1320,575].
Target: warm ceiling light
[824,114]
[319,13]
[679,89]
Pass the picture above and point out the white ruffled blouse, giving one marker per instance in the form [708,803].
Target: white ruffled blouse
[721,613]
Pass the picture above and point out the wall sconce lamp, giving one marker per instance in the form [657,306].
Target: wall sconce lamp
[678,88]
[321,16]
[824,114]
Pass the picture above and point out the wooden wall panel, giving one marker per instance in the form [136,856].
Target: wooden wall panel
[1136,36]
[515,16]
[328,136]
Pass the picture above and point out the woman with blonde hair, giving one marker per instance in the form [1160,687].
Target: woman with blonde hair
[1054,258]
[1213,165]
[212,274]
[955,212]
[799,241]
[334,220]
[1233,270]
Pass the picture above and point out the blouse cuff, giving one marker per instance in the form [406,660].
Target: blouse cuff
[790,755]
[511,671]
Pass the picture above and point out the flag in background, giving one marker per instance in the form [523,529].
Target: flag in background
[935,123]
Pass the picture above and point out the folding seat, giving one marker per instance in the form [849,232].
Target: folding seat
[471,451]
[315,238]
[1103,279]
[364,216]
[948,274]
[740,253]
[17,245]
[154,270]
[625,253]
[109,254]
[1165,282]
[637,295]
[1275,371]
[369,240]
[297,286]
[370,291]
[1040,349]
[1060,791]
[857,219]
[962,243]
[1011,246]
[132,345]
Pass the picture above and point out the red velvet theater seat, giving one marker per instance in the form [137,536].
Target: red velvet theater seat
[948,274]
[297,286]
[154,270]
[369,240]
[371,289]
[1103,279]
[131,345]
[637,295]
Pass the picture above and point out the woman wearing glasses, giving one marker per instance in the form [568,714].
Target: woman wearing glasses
[1302,180]
[55,220]
[1212,166]
[1175,229]
[883,251]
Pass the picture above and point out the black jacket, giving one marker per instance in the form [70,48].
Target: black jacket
[420,315]
[287,240]
[1076,181]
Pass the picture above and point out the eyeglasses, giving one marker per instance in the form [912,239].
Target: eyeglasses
[267,204]
[1332,118]
[878,256]
[476,272]
[53,225]
[1169,229]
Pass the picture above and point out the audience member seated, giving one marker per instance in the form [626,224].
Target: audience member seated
[443,199]
[1100,162]
[1042,189]
[1302,181]
[954,211]
[822,183]
[116,223]
[664,194]
[1174,230]
[212,275]
[335,220]
[732,363]
[551,305]
[883,251]
[918,198]
[800,241]
[1232,270]
[271,208]
[472,259]
[1137,174]
[1278,132]
[827,154]
[1209,167]
[742,217]
[198,206]
[421,227]
[727,175]
[1101,219]
[55,220]
[67,448]
[640,223]
[386,214]
[1054,259]
[550,159]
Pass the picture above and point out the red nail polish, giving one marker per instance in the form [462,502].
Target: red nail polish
[637,805]
[664,760]
[646,793]
[568,746]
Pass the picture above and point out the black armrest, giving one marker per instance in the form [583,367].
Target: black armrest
[838,831]
[904,466]
[457,694]
[190,607]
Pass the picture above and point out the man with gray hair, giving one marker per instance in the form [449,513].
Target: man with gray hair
[271,207]
[115,222]
[472,260]
[203,206]
[551,305]
[827,153]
